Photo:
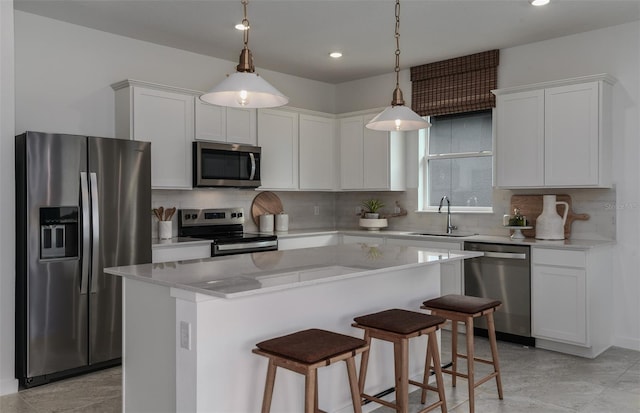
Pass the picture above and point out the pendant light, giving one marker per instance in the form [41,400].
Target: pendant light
[245,88]
[397,117]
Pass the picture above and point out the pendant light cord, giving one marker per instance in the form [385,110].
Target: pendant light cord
[246,59]
[397,36]
[245,23]
[397,100]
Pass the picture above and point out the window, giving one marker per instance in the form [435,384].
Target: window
[457,161]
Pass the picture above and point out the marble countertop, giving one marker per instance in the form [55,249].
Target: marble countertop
[248,274]
[177,241]
[578,244]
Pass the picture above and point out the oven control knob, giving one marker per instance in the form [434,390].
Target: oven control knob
[233,215]
[239,214]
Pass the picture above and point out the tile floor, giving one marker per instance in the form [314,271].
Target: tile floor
[534,380]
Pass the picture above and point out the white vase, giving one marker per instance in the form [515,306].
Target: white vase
[550,225]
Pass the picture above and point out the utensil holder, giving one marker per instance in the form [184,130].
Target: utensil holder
[165,229]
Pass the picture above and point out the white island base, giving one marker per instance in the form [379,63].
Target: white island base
[186,351]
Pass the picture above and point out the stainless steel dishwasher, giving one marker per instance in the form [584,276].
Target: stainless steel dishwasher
[503,273]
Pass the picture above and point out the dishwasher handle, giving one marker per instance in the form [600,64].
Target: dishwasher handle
[507,255]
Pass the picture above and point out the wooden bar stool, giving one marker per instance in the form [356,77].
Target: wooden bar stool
[461,308]
[304,352]
[398,326]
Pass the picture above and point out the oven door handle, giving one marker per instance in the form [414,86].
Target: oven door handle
[508,255]
[246,245]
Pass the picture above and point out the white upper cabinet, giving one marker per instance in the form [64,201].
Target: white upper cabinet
[220,124]
[278,137]
[163,116]
[520,139]
[351,153]
[370,160]
[317,153]
[242,126]
[555,134]
[211,122]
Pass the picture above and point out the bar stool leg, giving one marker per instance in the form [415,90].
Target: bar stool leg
[435,356]
[454,351]
[470,370]
[311,379]
[427,371]
[364,362]
[494,352]
[401,357]
[268,388]
[353,385]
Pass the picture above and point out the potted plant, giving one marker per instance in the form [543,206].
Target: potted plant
[371,208]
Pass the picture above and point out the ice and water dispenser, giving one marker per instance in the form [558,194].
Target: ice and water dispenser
[58,233]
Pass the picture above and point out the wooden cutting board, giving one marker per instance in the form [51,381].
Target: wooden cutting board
[531,207]
[265,203]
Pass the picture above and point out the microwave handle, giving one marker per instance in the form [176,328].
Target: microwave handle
[253,166]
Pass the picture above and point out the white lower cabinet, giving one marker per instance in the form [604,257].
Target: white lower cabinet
[451,276]
[177,252]
[307,241]
[571,300]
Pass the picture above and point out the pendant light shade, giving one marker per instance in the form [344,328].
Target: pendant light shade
[397,117]
[245,88]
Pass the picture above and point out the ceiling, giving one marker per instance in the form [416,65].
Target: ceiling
[295,36]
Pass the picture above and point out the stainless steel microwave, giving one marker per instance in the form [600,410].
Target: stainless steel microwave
[225,165]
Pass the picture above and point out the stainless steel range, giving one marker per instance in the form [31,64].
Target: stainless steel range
[225,227]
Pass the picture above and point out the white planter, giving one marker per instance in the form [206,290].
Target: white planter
[373,224]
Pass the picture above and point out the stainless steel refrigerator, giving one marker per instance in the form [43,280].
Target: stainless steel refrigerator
[82,204]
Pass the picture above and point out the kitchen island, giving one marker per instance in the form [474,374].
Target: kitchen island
[189,326]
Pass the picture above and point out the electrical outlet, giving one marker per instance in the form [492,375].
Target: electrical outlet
[316,210]
[185,335]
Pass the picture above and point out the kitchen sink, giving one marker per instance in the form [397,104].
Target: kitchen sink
[442,234]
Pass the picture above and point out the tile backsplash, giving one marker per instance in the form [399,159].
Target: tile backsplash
[338,209]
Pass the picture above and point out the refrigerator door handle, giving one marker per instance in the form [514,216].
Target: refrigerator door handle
[95,223]
[86,232]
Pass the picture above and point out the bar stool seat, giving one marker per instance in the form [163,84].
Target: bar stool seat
[461,308]
[304,352]
[398,326]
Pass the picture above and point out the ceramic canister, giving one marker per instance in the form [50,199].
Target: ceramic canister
[266,223]
[282,222]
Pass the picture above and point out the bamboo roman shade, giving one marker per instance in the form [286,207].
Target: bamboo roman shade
[461,84]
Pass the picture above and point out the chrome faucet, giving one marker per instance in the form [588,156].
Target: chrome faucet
[450,227]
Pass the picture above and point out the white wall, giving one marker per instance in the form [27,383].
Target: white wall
[64,72]
[616,212]
[8,383]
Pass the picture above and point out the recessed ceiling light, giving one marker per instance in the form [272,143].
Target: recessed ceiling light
[539,2]
[335,55]
[241,26]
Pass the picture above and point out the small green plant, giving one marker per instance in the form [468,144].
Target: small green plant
[372,205]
